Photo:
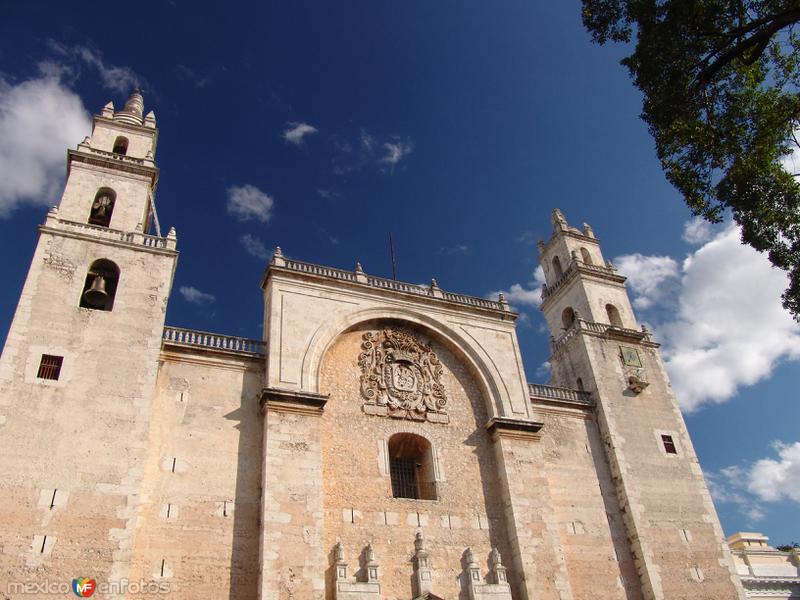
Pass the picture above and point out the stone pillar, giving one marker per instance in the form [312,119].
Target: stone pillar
[498,570]
[423,573]
[292,556]
[538,569]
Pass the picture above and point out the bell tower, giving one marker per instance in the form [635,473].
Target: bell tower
[672,527]
[78,370]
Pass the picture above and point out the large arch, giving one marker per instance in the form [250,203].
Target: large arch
[492,386]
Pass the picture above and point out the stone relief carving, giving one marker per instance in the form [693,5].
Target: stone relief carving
[401,377]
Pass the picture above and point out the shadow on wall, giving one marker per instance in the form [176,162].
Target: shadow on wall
[244,565]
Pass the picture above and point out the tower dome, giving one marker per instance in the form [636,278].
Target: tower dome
[132,112]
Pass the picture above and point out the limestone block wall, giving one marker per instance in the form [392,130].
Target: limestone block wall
[583,501]
[72,451]
[675,534]
[140,141]
[359,507]
[133,192]
[198,526]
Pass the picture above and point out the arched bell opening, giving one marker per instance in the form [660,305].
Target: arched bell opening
[100,287]
[568,317]
[613,315]
[120,146]
[102,207]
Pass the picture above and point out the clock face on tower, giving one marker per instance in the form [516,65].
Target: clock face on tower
[630,357]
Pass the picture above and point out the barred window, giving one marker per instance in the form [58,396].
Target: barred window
[411,467]
[669,444]
[50,367]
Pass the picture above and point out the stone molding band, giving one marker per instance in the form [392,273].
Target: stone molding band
[290,401]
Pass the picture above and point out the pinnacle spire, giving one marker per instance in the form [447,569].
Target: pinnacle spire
[133,110]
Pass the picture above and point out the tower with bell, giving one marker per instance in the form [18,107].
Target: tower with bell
[79,368]
[598,347]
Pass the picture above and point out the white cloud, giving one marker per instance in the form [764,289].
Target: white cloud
[764,480]
[395,152]
[194,296]
[729,486]
[254,246]
[773,480]
[697,231]
[39,118]
[117,79]
[454,249]
[529,294]
[648,276]
[295,132]
[369,150]
[730,329]
[543,371]
[247,202]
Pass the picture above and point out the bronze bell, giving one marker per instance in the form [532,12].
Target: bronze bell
[96,295]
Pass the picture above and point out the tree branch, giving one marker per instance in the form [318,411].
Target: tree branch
[758,41]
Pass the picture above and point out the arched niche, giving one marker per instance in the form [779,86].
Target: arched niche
[487,377]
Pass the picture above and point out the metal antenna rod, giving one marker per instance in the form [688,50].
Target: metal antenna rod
[394,259]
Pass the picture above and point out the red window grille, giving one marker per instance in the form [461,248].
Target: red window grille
[50,367]
[669,444]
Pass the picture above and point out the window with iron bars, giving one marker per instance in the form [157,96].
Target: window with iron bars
[669,444]
[406,483]
[50,367]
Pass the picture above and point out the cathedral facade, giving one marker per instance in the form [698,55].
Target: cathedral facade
[380,442]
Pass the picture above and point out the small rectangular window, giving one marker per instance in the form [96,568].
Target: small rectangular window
[669,444]
[50,367]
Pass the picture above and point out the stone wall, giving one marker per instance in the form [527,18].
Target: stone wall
[198,521]
[358,504]
[72,451]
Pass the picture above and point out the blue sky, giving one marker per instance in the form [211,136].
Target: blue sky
[457,126]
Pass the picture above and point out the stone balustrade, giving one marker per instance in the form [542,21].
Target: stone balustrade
[106,233]
[603,329]
[124,158]
[358,276]
[549,392]
[213,341]
[575,266]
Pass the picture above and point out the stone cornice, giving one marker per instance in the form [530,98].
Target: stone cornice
[127,164]
[514,428]
[104,235]
[292,401]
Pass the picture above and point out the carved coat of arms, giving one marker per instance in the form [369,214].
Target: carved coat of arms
[402,374]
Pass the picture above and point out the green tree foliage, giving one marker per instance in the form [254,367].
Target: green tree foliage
[720,81]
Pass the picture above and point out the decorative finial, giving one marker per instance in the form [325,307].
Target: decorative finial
[359,268]
[278,251]
[132,112]
[370,553]
[419,542]
[171,233]
[559,222]
[496,559]
[434,284]
[338,552]
[470,557]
